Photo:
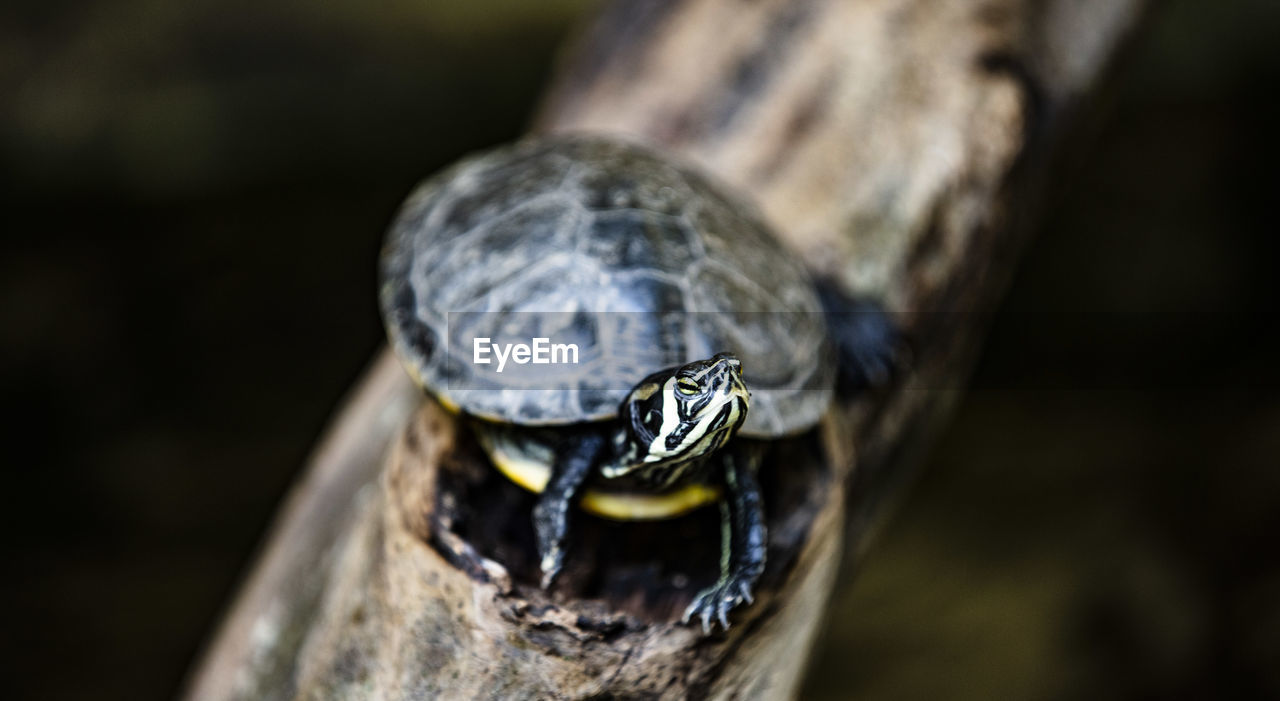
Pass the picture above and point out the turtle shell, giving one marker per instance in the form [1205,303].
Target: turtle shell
[636,261]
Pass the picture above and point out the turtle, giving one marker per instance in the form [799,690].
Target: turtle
[697,337]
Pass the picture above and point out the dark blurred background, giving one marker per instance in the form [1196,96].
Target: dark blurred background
[193,196]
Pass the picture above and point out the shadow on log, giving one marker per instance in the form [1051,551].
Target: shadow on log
[899,146]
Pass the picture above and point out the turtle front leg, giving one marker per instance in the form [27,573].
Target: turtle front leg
[574,463]
[742,542]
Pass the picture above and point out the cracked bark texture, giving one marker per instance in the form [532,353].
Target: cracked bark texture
[899,146]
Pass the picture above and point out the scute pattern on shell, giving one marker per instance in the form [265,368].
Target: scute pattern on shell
[574,226]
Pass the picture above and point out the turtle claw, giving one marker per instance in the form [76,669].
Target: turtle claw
[715,602]
[551,565]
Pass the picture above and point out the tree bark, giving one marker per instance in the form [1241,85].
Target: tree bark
[899,146]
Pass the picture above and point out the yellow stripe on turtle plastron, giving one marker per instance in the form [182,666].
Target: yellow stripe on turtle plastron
[442,400]
[533,476]
[530,474]
[448,404]
[648,507]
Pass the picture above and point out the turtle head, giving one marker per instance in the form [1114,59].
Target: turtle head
[674,418]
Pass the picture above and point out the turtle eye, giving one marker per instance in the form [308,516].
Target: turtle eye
[687,386]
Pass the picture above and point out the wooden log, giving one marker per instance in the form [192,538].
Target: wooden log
[899,146]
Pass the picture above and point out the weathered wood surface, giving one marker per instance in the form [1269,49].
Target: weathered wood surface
[898,145]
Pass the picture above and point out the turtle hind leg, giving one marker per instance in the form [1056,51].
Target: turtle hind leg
[575,460]
[870,346]
[743,543]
